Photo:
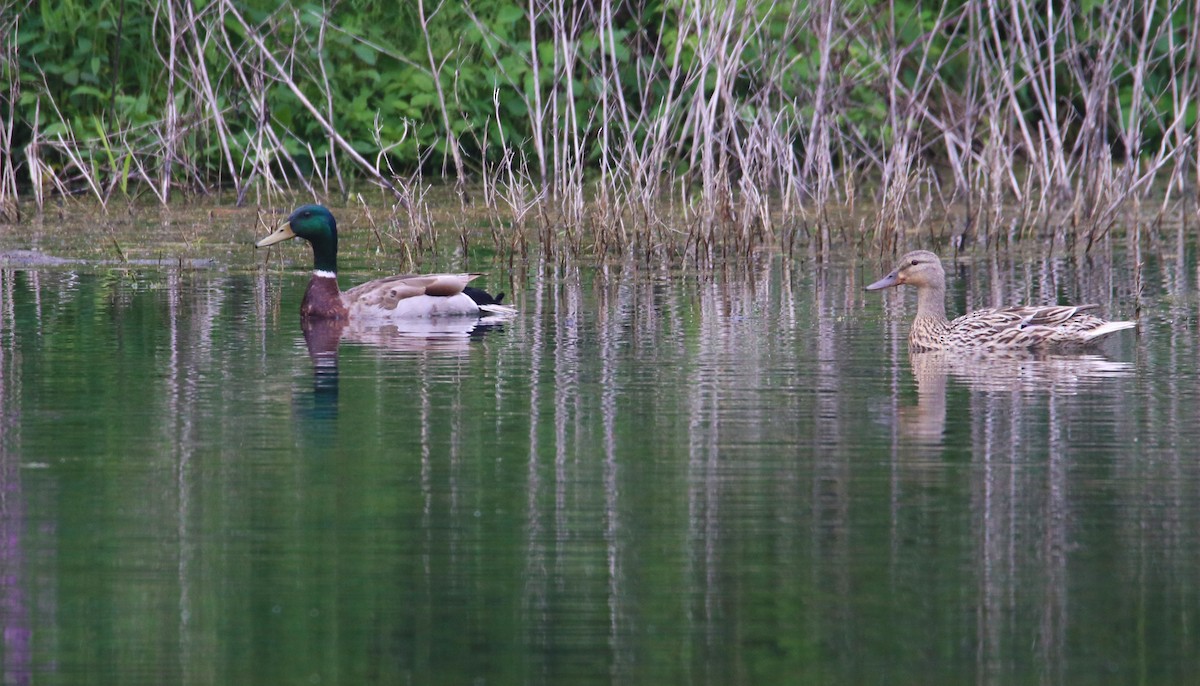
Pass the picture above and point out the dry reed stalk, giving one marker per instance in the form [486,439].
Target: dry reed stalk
[435,69]
[1184,90]
[200,36]
[282,76]
[818,158]
[38,170]
[327,89]
[537,112]
[507,181]
[251,77]
[77,156]
[383,160]
[170,130]
[10,66]
[744,116]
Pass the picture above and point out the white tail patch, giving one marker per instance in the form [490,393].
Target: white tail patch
[1107,328]
[498,309]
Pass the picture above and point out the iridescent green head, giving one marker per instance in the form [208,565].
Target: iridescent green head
[314,224]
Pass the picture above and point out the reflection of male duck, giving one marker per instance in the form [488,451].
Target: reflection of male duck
[406,296]
[450,336]
[446,334]
[1004,371]
[322,338]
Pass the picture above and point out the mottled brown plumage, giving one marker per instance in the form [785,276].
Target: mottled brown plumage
[1000,328]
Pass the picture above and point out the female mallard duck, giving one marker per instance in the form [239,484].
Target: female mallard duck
[1028,327]
[404,296]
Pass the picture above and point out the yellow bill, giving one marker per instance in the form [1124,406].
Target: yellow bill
[281,233]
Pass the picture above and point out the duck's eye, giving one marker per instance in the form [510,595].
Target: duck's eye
[914,263]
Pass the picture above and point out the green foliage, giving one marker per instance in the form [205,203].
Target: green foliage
[99,69]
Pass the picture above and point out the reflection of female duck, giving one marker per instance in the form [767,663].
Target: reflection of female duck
[394,297]
[1000,328]
[1015,370]
[1005,371]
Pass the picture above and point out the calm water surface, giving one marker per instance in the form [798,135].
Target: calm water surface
[647,476]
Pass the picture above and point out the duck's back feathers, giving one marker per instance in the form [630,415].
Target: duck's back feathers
[1014,328]
[1047,315]
[1105,329]
[411,295]
[411,285]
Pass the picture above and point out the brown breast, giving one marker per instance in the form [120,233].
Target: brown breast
[323,300]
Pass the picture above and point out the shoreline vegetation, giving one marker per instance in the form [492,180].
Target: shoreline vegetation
[716,125]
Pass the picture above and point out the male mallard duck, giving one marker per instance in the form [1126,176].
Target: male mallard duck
[997,328]
[394,297]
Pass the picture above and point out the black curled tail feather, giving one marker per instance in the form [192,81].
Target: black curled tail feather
[482,297]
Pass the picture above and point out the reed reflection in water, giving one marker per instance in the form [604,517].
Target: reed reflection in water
[729,477]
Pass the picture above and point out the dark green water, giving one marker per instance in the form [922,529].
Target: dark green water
[645,477]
